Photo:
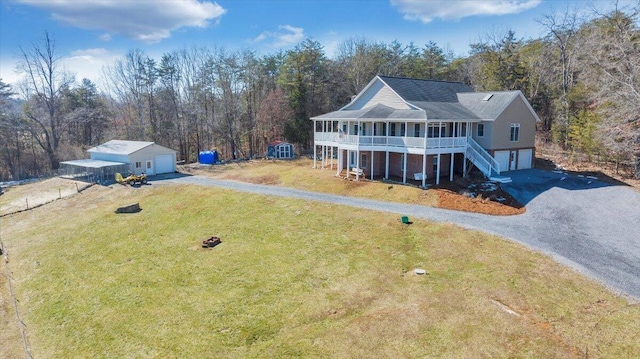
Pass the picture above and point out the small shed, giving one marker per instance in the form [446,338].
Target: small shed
[280,150]
[208,157]
[142,157]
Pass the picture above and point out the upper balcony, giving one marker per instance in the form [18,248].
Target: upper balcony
[381,143]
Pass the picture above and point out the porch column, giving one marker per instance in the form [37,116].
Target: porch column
[371,166]
[404,169]
[438,171]
[331,159]
[348,162]
[358,162]
[386,165]
[424,157]
[314,144]
[339,166]
[424,167]
[464,165]
[451,168]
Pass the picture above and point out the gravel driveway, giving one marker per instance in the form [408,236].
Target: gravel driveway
[579,221]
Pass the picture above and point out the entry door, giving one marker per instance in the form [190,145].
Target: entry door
[352,158]
[513,161]
[149,168]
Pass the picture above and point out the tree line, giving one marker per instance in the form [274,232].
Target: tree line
[582,78]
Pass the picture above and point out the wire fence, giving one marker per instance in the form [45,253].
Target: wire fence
[14,300]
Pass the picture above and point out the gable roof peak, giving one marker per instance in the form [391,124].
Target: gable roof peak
[382,77]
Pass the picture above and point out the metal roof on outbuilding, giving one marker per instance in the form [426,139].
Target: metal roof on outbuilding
[89,163]
[120,147]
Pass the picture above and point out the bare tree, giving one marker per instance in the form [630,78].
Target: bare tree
[44,81]
[612,57]
[562,28]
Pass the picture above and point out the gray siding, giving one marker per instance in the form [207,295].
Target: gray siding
[516,112]
[484,141]
[378,93]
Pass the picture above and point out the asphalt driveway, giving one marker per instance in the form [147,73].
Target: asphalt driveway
[581,222]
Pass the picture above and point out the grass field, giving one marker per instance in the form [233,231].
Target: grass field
[291,279]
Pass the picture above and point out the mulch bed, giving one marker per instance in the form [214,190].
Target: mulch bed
[477,195]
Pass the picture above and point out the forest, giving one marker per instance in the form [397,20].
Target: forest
[582,78]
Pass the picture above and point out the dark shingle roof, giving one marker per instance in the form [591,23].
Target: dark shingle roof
[438,100]
[487,110]
[446,111]
[416,90]
[378,111]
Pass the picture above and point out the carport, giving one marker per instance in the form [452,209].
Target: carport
[92,171]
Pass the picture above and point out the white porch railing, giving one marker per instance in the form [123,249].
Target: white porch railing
[481,158]
[397,141]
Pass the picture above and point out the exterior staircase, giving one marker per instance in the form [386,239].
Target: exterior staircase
[484,162]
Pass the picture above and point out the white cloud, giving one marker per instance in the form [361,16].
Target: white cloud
[88,63]
[286,36]
[426,11]
[144,20]
[8,72]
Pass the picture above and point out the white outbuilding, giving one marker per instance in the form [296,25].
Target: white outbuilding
[122,157]
[142,157]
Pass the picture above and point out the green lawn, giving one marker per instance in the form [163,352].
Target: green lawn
[291,279]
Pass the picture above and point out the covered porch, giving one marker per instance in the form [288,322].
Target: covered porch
[405,167]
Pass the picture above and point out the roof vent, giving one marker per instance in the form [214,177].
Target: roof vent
[488,97]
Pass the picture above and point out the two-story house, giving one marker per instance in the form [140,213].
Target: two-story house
[419,129]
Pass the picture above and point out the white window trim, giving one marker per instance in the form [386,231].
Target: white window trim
[517,133]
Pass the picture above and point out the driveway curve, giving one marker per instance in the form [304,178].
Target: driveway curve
[581,222]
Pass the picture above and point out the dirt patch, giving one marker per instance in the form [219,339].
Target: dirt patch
[270,179]
[23,197]
[550,158]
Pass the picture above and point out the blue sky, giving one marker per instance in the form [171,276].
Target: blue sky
[90,34]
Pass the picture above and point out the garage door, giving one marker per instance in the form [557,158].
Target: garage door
[524,159]
[165,164]
[503,159]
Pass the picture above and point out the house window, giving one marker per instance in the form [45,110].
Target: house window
[138,164]
[393,129]
[403,159]
[481,130]
[515,132]
[384,129]
[363,160]
[436,131]
[403,129]
[344,128]
[355,129]
[416,130]
[376,129]
[435,165]
[148,164]
[363,129]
